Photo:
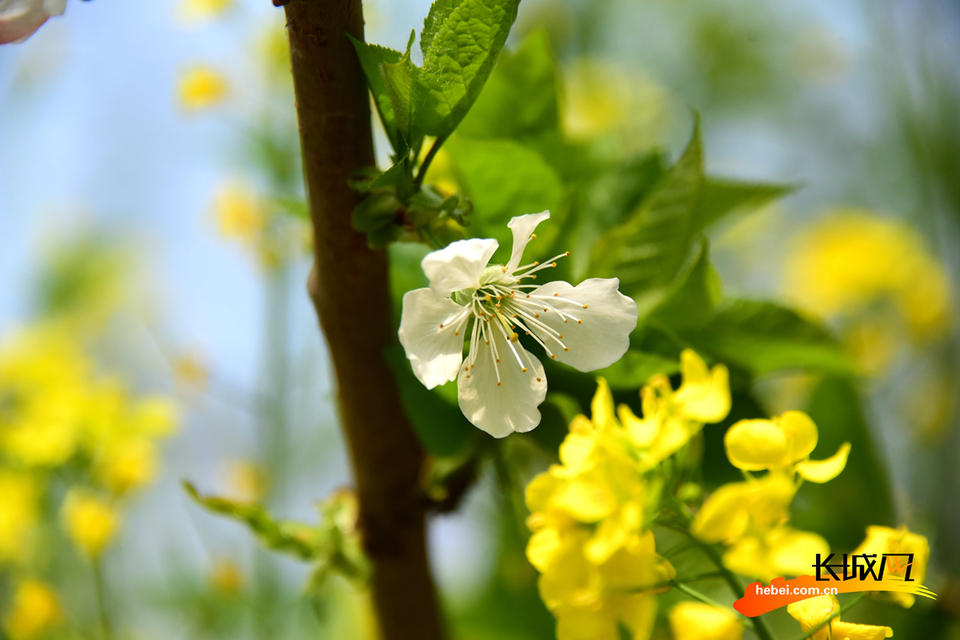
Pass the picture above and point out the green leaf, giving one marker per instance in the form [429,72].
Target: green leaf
[439,424]
[636,367]
[460,43]
[504,178]
[763,337]
[520,99]
[372,58]
[719,198]
[695,294]
[841,509]
[649,249]
[294,538]
[400,78]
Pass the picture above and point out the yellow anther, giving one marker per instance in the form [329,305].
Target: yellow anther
[553,357]
[579,321]
[554,264]
[524,370]
[499,384]
[536,315]
[514,337]
[539,380]
[566,348]
[584,306]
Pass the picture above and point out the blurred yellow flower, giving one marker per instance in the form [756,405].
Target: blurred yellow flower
[91,522]
[881,540]
[226,577]
[240,214]
[442,173]
[813,612]
[127,464]
[698,621]
[781,551]
[274,50]
[671,418]
[34,609]
[246,482]
[19,496]
[201,87]
[190,11]
[601,98]
[782,445]
[853,258]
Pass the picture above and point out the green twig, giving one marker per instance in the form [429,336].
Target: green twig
[696,595]
[422,173]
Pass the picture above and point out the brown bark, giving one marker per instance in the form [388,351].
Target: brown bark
[349,287]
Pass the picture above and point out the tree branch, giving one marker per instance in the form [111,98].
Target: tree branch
[349,288]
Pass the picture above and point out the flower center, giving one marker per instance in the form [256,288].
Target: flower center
[503,304]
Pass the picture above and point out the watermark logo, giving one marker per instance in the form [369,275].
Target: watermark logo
[848,573]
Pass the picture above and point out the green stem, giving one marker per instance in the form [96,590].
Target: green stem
[696,595]
[422,173]
[101,600]
[431,237]
[736,585]
[835,616]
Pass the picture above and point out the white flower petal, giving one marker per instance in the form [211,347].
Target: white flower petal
[523,227]
[511,406]
[458,265]
[602,336]
[434,353]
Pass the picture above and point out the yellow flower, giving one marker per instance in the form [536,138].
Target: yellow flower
[19,495]
[751,518]
[240,214]
[190,11]
[201,87]
[781,551]
[34,609]
[782,444]
[737,508]
[881,540]
[589,541]
[671,418]
[854,258]
[91,523]
[813,612]
[698,621]
[128,464]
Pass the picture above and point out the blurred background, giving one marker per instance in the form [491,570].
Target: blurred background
[154,250]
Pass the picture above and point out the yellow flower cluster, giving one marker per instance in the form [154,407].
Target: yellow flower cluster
[751,517]
[55,410]
[590,542]
[854,258]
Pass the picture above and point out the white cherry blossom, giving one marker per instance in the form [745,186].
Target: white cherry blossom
[19,19]
[500,383]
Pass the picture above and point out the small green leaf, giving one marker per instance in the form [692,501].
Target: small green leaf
[294,538]
[400,78]
[296,207]
[763,337]
[695,293]
[375,212]
[719,198]
[460,43]
[504,179]
[649,249]
[520,99]
[372,58]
